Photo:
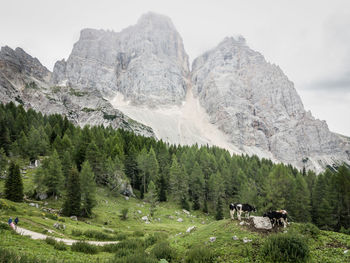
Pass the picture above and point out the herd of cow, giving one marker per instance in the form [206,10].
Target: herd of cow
[276,217]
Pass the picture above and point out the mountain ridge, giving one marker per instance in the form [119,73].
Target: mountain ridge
[143,71]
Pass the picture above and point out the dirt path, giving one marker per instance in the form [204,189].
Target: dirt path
[35,235]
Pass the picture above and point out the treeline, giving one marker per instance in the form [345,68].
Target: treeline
[200,178]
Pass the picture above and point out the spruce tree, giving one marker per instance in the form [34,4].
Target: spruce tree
[3,161]
[151,197]
[219,210]
[71,205]
[88,189]
[14,184]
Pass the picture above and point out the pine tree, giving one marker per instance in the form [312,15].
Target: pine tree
[3,161]
[88,189]
[197,186]
[162,189]
[151,197]
[50,178]
[219,210]
[71,205]
[14,184]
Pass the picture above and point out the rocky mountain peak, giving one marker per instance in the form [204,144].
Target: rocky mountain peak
[155,20]
[145,63]
[21,61]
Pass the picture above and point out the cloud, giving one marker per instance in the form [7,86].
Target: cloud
[340,83]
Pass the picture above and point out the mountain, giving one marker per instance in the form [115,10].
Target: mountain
[146,62]
[232,98]
[255,103]
[25,80]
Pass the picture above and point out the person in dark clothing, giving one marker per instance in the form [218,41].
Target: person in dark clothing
[10,221]
[16,222]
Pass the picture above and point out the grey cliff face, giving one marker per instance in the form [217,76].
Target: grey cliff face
[146,62]
[255,103]
[24,80]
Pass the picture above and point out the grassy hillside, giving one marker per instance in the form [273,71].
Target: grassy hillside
[108,225]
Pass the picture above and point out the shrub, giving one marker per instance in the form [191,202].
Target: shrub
[163,250]
[110,248]
[344,230]
[50,241]
[138,256]
[4,226]
[84,248]
[121,236]
[51,216]
[77,232]
[285,248]
[200,254]
[60,246]
[97,235]
[156,237]
[132,244]
[310,230]
[138,233]
[124,214]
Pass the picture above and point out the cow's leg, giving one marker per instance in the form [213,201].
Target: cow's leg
[239,213]
[284,222]
[232,214]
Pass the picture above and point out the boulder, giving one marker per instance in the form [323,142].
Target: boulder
[260,222]
[191,228]
[144,218]
[74,218]
[186,212]
[41,196]
[212,239]
[235,238]
[180,220]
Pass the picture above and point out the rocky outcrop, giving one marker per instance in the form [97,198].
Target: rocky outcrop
[254,103]
[146,62]
[24,80]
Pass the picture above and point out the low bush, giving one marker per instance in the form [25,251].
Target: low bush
[51,216]
[285,248]
[97,235]
[132,244]
[84,248]
[138,233]
[139,257]
[60,246]
[163,250]
[310,230]
[200,254]
[124,214]
[50,241]
[344,230]
[156,237]
[110,248]
[121,236]
[4,226]
[77,232]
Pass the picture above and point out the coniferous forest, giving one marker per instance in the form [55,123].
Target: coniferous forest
[75,160]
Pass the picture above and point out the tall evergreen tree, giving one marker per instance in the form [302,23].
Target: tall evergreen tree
[88,189]
[219,210]
[50,178]
[3,161]
[14,184]
[72,201]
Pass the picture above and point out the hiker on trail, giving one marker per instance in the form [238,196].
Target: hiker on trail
[11,224]
[16,222]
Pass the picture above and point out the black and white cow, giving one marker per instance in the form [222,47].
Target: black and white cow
[241,208]
[277,217]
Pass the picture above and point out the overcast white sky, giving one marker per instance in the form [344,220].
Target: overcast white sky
[309,40]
